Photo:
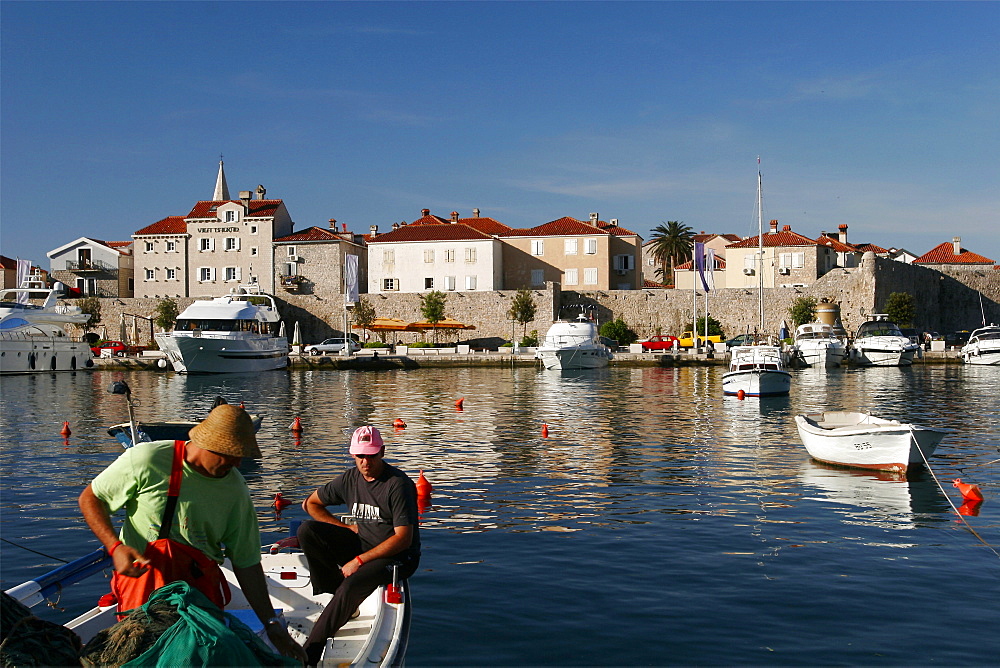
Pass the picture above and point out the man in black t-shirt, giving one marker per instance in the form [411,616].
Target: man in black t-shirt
[351,560]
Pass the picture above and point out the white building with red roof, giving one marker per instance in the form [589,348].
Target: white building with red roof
[93,267]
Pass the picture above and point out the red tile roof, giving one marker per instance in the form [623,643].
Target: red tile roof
[775,239]
[864,248]
[836,245]
[257,208]
[646,283]
[313,233]
[429,232]
[169,225]
[944,253]
[720,263]
[567,226]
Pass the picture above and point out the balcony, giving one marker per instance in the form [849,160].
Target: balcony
[90,267]
[292,282]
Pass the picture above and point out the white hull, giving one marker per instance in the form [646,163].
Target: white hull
[376,637]
[983,347]
[756,371]
[241,353]
[574,358]
[859,440]
[877,356]
[816,346]
[880,343]
[35,354]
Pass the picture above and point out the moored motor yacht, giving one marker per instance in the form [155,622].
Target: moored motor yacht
[983,346]
[817,346]
[756,371]
[33,337]
[573,345]
[237,333]
[880,343]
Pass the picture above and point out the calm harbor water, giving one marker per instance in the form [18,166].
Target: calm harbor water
[659,523]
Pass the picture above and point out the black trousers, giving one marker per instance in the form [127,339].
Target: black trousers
[327,547]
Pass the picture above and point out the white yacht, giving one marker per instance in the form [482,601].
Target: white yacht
[238,333]
[817,346]
[33,338]
[573,345]
[880,343]
[983,346]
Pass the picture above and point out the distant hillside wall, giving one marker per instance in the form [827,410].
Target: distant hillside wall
[946,301]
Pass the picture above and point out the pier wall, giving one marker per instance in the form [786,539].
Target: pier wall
[946,301]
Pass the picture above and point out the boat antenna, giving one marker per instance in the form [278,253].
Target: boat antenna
[760,245]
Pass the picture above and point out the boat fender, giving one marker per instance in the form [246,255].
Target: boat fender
[741,395]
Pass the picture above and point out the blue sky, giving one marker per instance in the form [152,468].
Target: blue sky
[883,116]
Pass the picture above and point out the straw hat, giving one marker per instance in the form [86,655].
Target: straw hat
[227,430]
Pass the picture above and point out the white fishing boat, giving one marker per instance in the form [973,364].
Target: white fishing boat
[879,342]
[237,333]
[377,636]
[33,337]
[573,345]
[816,345]
[757,370]
[860,440]
[983,346]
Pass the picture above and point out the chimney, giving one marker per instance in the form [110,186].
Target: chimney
[333,223]
[343,227]
[843,233]
[454,216]
[593,219]
[395,226]
[956,243]
[425,212]
[786,228]
[774,226]
[245,198]
[613,222]
[475,213]
[261,192]
[374,231]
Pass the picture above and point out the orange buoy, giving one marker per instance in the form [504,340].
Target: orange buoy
[296,425]
[398,423]
[65,430]
[741,395]
[459,402]
[280,502]
[969,492]
[545,430]
[970,508]
[424,487]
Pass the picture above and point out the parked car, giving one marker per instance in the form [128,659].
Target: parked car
[660,342]
[741,340]
[686,340]
[914,335]
[117,348]
[957,339]
[335,345]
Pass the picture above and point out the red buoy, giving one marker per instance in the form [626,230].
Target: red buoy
[280,502]
[545,430]
[424,487]
[741,395]
[296,425]
[65,430]
[398,423]
[459,402]
[969,492]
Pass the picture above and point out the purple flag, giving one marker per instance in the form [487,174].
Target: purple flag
[699,263]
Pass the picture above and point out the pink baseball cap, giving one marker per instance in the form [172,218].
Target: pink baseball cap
[366,441]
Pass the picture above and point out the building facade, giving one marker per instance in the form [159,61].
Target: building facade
[90,267]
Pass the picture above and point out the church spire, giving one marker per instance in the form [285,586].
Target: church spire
[221,189]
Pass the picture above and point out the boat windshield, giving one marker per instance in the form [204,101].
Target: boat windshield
[206,325]
[879,328]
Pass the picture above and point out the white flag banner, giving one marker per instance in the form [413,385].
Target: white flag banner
[350,279]
[710,263]
[23,273]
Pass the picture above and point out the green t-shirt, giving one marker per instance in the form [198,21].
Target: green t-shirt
[215,515]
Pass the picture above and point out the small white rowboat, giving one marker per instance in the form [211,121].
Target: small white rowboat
[860,440]
[376,637]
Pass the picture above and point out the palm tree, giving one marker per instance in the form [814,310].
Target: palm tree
[671,241]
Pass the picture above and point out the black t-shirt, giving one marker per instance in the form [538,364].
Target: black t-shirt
[378,506]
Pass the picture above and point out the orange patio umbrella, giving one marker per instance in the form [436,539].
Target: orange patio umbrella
[388,325]
[447,323]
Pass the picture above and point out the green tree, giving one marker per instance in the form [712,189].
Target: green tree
[802,310]
[91,305]
[672,242]
[901,308]
[522,309]
[432,308]
[619,331]
[364,315]
[713,326]
[166,314]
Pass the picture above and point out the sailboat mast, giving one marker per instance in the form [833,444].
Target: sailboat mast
[760,246]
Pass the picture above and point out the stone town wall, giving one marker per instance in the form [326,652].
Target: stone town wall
[945,302]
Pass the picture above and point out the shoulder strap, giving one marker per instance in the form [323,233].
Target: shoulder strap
[174,490]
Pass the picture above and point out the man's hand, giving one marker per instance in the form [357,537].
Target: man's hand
[350,568]
[278,635]
[129,562]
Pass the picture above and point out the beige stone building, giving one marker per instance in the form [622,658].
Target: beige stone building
[312,261]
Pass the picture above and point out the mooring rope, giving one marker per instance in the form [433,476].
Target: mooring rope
[41,554]
[948,498]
